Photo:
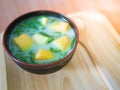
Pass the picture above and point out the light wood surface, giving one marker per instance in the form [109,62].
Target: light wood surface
[101,72]
[79,74]
[10,9]
[3,78]
[103,44]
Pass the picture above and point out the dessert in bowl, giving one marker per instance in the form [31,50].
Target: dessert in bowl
[41,42]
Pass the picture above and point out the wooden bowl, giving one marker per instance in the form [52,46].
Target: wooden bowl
[39,68]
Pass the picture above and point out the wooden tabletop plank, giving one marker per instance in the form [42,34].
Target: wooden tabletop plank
[103,44]
[80,73]
[3,76]
[10,9]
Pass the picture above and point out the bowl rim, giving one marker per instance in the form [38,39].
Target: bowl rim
[42,65]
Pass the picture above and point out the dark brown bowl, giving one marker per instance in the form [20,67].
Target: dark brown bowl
[39,68]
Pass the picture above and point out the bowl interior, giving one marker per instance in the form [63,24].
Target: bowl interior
[11,27]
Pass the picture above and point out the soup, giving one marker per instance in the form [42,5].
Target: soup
[42,40]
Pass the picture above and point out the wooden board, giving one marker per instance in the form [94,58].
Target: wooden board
[10,9]
[103,44]
[3,78]
[92,66]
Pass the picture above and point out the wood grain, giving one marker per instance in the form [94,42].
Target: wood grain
[3,78]
[103,44]
[79,74]
[10,9]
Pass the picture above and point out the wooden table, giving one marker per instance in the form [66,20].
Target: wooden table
[10,9]
[90,76]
